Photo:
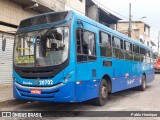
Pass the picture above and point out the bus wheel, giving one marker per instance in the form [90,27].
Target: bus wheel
[142,87]
[103,94]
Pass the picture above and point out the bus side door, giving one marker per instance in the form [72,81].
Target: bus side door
[87,62]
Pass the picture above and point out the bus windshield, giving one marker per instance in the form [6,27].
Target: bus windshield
[41,48]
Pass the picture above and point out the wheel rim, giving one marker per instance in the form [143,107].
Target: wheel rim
[104,92]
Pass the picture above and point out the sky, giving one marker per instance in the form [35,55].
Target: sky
[140,8]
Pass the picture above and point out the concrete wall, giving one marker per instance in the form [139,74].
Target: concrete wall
[92,12]
[56,5]
[13,13]
[75,5]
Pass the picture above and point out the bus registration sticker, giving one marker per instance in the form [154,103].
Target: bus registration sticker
[45,82]
[35,91]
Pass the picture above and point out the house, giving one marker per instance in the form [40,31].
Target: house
[139,31]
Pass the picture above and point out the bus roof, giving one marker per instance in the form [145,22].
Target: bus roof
[43,19]
[90,21]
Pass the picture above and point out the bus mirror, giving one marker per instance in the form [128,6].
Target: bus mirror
[3,44]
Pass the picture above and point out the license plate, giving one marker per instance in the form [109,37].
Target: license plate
[35,91]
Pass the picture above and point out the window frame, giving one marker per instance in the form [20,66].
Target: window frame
[121,49]
[134,48]
[143,53]
[136,53]
[147,57]
[131,51]
[100,43]
[81,54]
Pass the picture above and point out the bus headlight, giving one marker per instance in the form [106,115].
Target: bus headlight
[68,75]
[66,78]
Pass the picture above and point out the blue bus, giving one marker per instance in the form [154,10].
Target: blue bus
[67,57]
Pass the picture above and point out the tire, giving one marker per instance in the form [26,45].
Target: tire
[103,94]
[142,87]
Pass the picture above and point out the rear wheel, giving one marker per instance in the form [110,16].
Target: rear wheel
[103,94]
[142,87]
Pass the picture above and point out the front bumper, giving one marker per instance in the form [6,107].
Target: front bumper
[58,93]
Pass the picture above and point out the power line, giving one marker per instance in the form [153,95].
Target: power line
[101,5]
[111,10]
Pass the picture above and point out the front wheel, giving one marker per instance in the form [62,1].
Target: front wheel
[142,87]
[103,94]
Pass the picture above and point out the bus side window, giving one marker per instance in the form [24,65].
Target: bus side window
[79,37]
[118,51]
[137,56]
[152,57]
[86,45]
[105,45]
[147,56]
[142,52]
[128,48]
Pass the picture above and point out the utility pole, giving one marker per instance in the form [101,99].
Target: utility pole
[129,28]
[158,42]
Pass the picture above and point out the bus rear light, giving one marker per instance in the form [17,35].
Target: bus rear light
[79,82]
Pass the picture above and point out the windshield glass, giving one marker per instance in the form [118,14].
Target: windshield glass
[47,47]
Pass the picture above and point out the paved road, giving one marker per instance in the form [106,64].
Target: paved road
[128,100]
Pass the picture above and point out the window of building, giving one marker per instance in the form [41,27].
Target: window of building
[105,45]
[118,51]
[86,45]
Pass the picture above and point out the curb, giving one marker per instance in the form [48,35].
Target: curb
[5,86]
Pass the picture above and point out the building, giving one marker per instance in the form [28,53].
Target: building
[77,5]
[13,11]
[99,14]
[92,10]
[139,31]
